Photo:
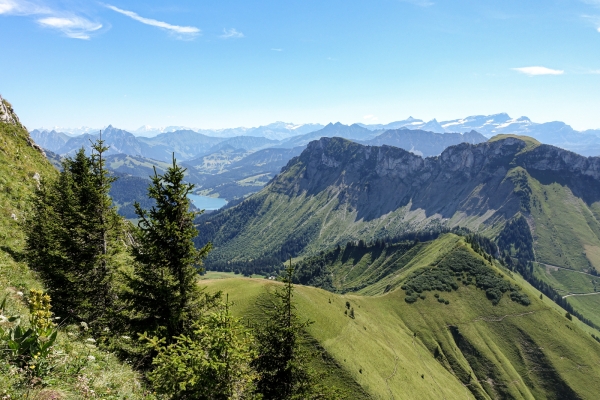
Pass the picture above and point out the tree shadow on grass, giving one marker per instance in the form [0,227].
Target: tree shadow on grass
[17,256]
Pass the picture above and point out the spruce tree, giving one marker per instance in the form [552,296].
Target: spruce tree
[282,364]
[73,237]
[164,294]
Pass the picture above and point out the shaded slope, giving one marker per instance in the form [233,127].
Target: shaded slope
[338,191]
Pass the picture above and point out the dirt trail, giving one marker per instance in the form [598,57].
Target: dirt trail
[500,318]
[396,359]
[566,269]
[580,294]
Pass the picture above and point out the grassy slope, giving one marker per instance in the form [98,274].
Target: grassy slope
[18,164]
[566,234]
[509,350]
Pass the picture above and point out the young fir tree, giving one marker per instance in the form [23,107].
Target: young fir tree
[282,363]
[73,237]
[164,293]
[210,362]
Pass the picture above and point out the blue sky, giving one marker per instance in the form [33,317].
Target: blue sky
[226,63]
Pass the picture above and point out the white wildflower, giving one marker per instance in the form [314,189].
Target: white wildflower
[91,358]
[91,340]
[84,325]
[126,337]
[20,294]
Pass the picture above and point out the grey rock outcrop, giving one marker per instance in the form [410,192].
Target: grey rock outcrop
[7,114]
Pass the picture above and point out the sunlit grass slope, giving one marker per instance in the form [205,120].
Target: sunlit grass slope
[465,349]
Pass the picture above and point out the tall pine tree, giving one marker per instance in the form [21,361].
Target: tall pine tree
[282,363]
[164,293]
[74,236]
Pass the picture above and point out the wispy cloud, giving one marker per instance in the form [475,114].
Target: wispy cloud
[70,24]
[21,7]
[181,32]
[277,49]
[231,34]
[535,71]
[73,27]
[593,20]
[370,117]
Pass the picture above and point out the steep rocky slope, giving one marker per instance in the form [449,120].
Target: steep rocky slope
[337,191]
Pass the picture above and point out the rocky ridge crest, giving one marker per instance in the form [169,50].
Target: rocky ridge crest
[7,114]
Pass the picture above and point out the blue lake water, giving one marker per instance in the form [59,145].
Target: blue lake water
[207,203]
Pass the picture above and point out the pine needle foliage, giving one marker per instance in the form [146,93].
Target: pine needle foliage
[74,237]
[211,362]
[282,363]
[164,293]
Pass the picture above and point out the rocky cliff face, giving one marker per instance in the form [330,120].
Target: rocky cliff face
[7,113]
[338,190]
[377,180]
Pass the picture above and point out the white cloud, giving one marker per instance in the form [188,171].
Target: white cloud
[231,34]
[21,7]
[69,24]
[73,27]
[182,32]
[535,71]
[277,49]
[370,117]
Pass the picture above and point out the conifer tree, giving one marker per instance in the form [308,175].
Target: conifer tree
[282,365]
[210,362]
[73,238]
[164,293]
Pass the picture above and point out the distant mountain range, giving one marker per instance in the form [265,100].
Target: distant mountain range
[291,135]
[220,162]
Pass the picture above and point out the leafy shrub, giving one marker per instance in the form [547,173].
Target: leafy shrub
[569,316]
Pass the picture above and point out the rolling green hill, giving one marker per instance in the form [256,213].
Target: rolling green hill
[465,348]
[338,191]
